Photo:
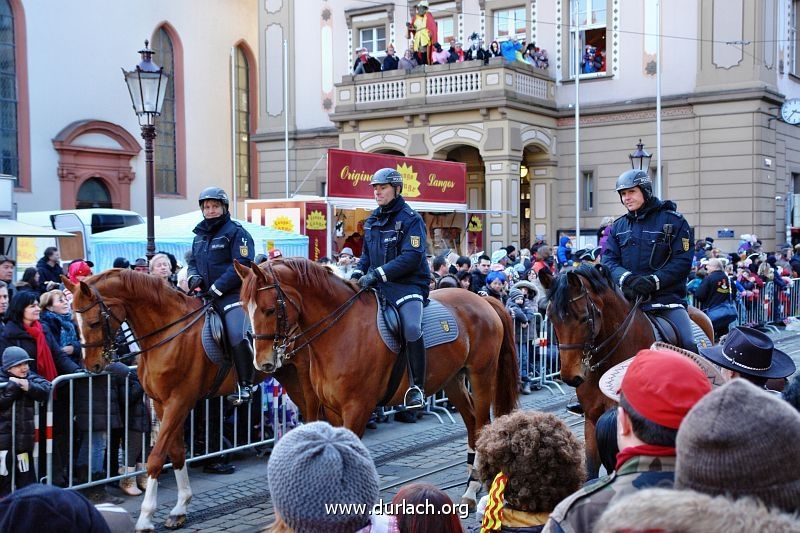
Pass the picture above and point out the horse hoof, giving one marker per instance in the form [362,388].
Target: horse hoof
[470,503]
[175,522]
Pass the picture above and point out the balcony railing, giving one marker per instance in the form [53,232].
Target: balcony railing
[436,84]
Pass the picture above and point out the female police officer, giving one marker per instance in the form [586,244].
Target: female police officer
[218,242]
[393,260]
[648,253]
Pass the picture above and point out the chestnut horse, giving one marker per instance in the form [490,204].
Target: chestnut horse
[173,369]
[297,301]
[596,328]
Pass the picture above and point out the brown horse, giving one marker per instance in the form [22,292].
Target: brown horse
[297,300]
[173,371]
[596,328]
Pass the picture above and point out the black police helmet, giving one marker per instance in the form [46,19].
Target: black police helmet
[636,178]
[387,176]
[213,193]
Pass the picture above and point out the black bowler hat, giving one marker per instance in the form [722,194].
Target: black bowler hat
[749,351]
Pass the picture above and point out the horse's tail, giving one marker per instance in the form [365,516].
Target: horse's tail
[506,389]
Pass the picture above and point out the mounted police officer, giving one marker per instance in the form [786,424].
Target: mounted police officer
[393,260]
[218,242]
[649,253]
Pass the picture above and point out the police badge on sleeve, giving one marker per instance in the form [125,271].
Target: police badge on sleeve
[415,241]
[243,248]
[685,243]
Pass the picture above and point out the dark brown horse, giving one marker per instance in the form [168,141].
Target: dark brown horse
[299,301]
[174,372]
[596,328]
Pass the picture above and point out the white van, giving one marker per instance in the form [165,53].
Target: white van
[83,223]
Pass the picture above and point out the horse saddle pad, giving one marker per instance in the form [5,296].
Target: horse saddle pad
[214,337]
[438,325]
[664,331]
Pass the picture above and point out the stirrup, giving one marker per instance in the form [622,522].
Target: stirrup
[242,395]
[416,405]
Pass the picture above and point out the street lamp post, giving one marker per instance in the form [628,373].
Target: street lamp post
[640,159]
[147,85]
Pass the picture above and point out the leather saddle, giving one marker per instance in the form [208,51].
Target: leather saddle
[215,342]
[663,329]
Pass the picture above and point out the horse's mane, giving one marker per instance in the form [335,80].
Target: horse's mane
[311,276]
[148,289]
[599,279]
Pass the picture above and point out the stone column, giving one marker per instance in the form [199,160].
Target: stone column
[543,196]
[502,197]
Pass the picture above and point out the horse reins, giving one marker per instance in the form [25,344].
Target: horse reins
[588,347]
[283,337]
[109,342]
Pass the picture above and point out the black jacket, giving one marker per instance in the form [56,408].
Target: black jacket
[15,335]
[38,391]
[48,273]
[390,63]
[102,404]
[639,244]
[137,412]
[394,249]
[715,289]
[217,244]
[54,325]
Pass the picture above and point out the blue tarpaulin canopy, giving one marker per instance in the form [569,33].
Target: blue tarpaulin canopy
[174,235]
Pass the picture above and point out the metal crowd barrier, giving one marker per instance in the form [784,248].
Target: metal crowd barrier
[212,429]
[766,306]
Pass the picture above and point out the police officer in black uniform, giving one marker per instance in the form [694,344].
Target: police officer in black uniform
[218,242]
[649,253]
[393,260]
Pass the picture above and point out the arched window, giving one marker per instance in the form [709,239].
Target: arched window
[242,110]
[93,193]
[166,161]
[9,130]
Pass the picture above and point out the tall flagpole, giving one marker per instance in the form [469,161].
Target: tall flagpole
[577,126]
[659,191]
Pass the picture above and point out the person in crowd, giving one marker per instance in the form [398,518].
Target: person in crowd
[262,258]
[390,62]
[7,266]
[524,332]
[456,53]
[29,281]
[464,279]
[591,60]
[182,277]
[355,241]
[161,267]
[218,242]
[141,265]
[448,281]
[751,355]
[423,32]
[508,49]
[540,59]
[408,61]
[23,388]
[511,255]
[499,260]
[476,51]
[791,393]
[588,255]
[121,262]
[689,511]
[316,465]
[398,269]
[49,266]
[495,286]
[56,314]
[440,267]
[77,272]
[463,264]
[39,507]
[3,305]
[529,54]
[741,441]
[494,49]
[794,262]
[345,265]
[480,271]
[365,63]
[440,518]
[439,55]
[531,461]
[564,251]
[543,258]
[274,254]
[715,289]
[604,232]
[657,390]
[605,431]
[648,253]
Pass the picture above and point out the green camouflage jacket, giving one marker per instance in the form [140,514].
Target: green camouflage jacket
[579,512]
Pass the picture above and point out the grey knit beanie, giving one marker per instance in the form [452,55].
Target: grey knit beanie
[740,441]
[317,464]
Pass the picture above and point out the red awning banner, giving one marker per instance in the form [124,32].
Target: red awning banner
[424,180]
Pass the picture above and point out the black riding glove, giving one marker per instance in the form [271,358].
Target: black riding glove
[642,285]
[195,282]
[368,280]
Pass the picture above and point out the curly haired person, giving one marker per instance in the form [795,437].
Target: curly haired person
[532,461]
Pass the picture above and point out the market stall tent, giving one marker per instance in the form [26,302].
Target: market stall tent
[174,235]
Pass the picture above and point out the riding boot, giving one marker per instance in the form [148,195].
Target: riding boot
[245,371]
[415,395]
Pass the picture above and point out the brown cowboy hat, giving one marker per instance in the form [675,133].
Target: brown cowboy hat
[749,351]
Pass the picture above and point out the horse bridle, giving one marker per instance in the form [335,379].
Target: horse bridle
[588,347]
[285,335]
[110,344]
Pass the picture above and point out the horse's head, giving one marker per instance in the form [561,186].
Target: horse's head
[577,301]
[98,316]
[270,302]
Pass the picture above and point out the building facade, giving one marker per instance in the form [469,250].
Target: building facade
[727,158]
[70,135]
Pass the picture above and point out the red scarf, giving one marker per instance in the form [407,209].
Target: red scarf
[650,450]
[45,366]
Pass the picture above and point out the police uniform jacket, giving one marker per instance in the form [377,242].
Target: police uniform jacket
[217,244]
[394,249]
[655,240]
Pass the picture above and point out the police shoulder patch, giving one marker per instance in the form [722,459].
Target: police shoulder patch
[685,243]
[243,251]
[415,241]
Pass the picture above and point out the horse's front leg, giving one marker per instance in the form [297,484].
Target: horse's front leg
[149,504]
[177,516]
